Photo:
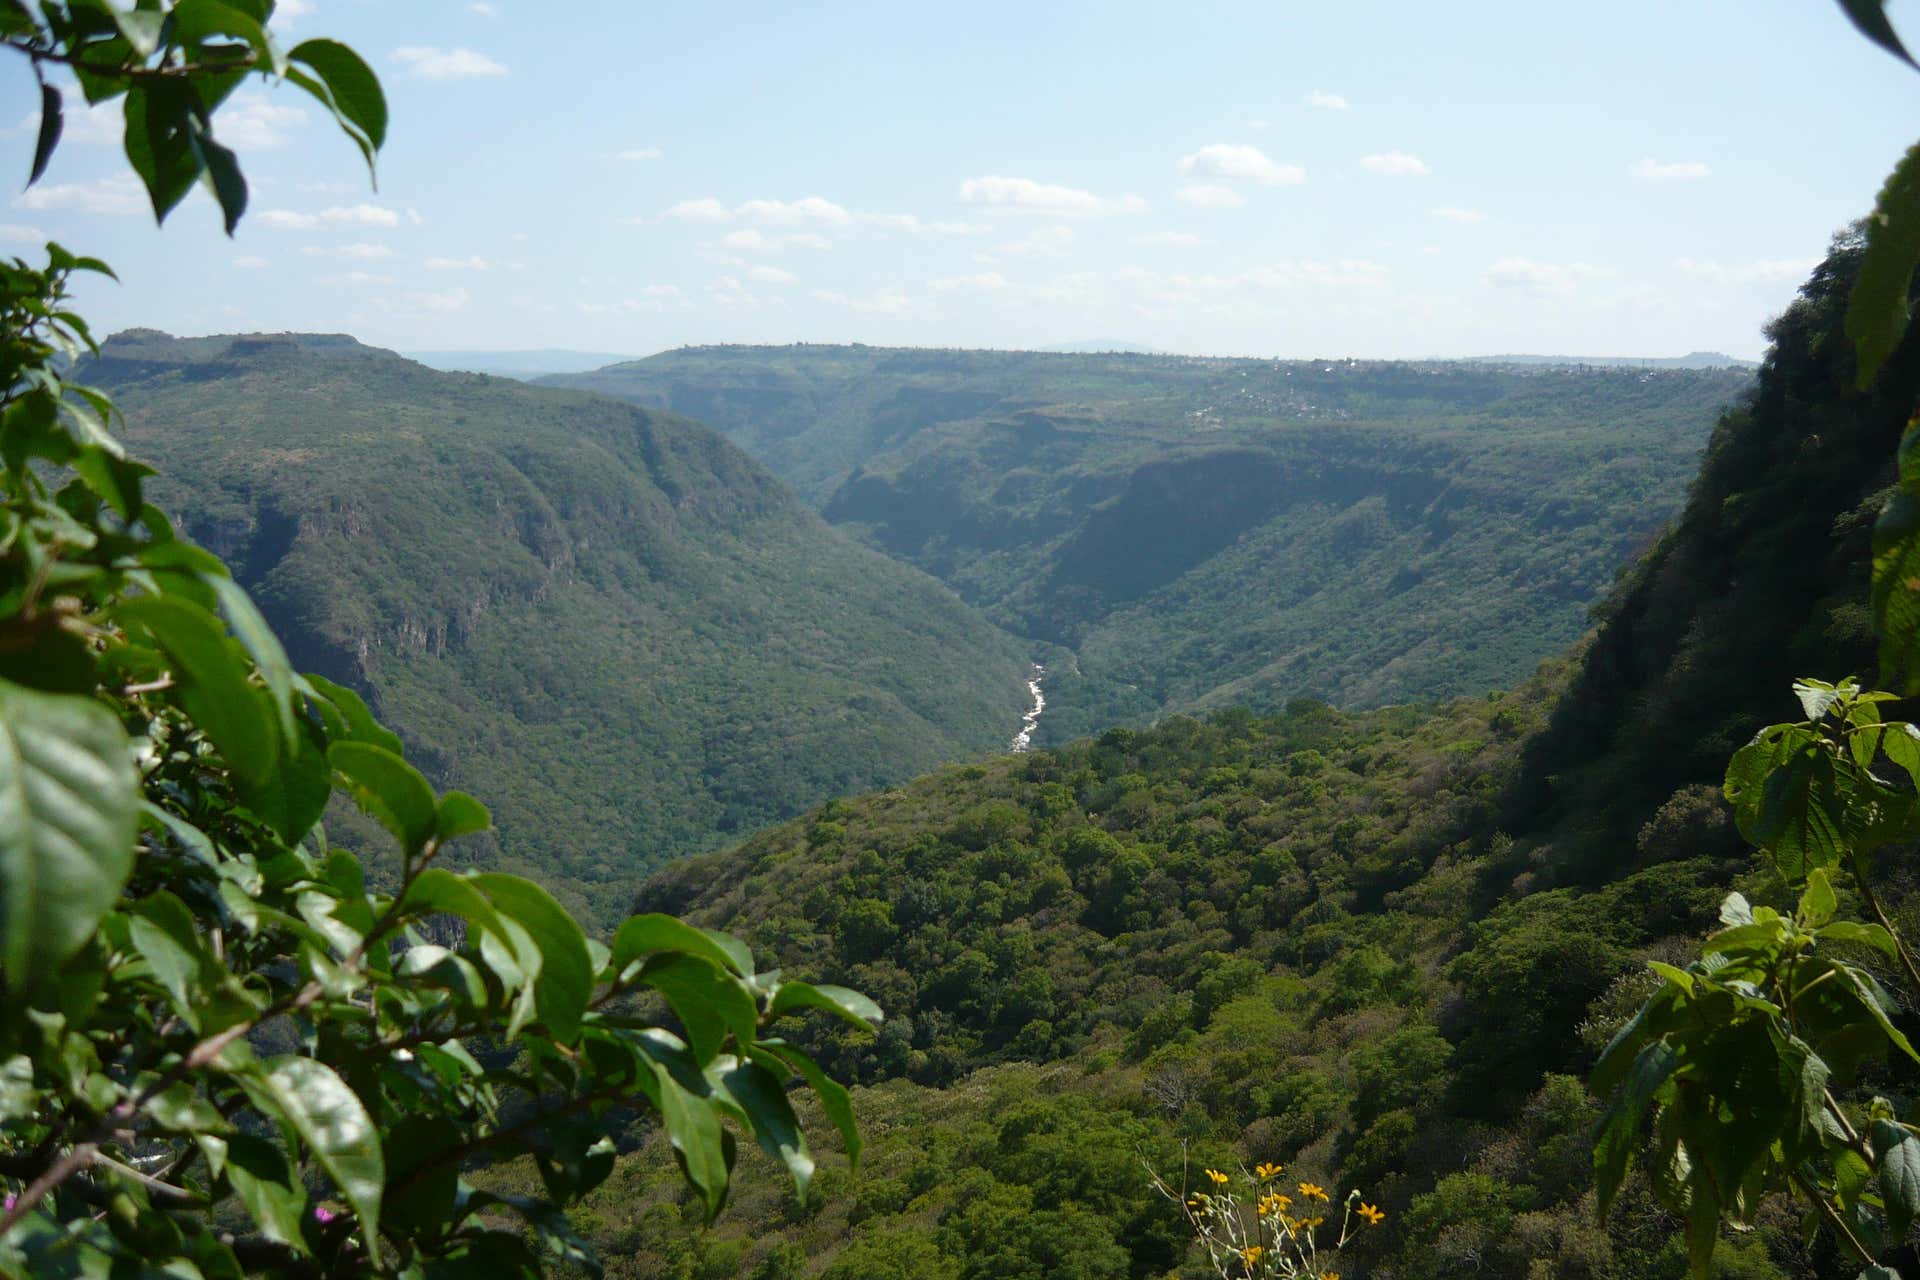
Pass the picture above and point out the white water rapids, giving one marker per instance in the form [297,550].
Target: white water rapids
[1024,739]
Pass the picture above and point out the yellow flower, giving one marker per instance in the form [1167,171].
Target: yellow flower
[1219,1178]
[1329,1275]
[1374,1216]
[1312,1191]
[1251,1254]
[1265,1171]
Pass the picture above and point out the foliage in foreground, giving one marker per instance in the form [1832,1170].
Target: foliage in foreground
[220,1054]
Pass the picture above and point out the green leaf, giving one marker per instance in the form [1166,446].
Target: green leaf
[1878,1272]
[262,645]
[69,810]
[51,120]
[834,1097]
[330,1120]
[1870,16]
[348,88]
[1897,1153]
[1877,308]
[220,172]
[1874,1000]
[757,1092]
[1703,1225]
[690,1117]
[1817,697]
[360,724]
[565,983]
[141,29]
[1865,935]
[211,684]
[710,1001]
[389,789]
[1796,820]
[292,800]
[1817,903]
[159,115]
[166,936]
[1620,1126]
[460,815]
[839,1001]
[645,934]
[438,890]
[268,1187]
[1896,572]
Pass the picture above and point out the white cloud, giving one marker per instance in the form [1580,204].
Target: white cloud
[1320,100]
[1454,214]
[703,210]
[770,275]
[484,9]
[365,278]
[786,213]
[914,226]
[446,300]
[985,282]
[1541,277]
[1230,160]
[288,12]
[1041,242]
[364,252]
[1651,170]
[1181,238]
[812,210]
[641,153]
[120,194]
[752,240]
[654,297]
[429,63]
[1762,271]
[1345,272]
[250,121]
[357,215]
[1210,196]
[1397,164]
[879,302]
[413,216]
[474,263]
[1024,195]
[100,124]
[17,233]
[250,263]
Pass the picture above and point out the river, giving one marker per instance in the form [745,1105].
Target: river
[1024,739]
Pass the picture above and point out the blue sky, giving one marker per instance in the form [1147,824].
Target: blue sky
[1387,179]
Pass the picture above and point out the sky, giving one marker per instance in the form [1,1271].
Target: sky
[1390,179]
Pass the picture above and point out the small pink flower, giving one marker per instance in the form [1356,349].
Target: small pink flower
[323,1215]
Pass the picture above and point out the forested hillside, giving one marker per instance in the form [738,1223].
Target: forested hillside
[1383,948]
[1199,533]
[625,633]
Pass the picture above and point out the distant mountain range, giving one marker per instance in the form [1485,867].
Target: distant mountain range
[1691,360]
[624,633]
[1197,532]
[525,365]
